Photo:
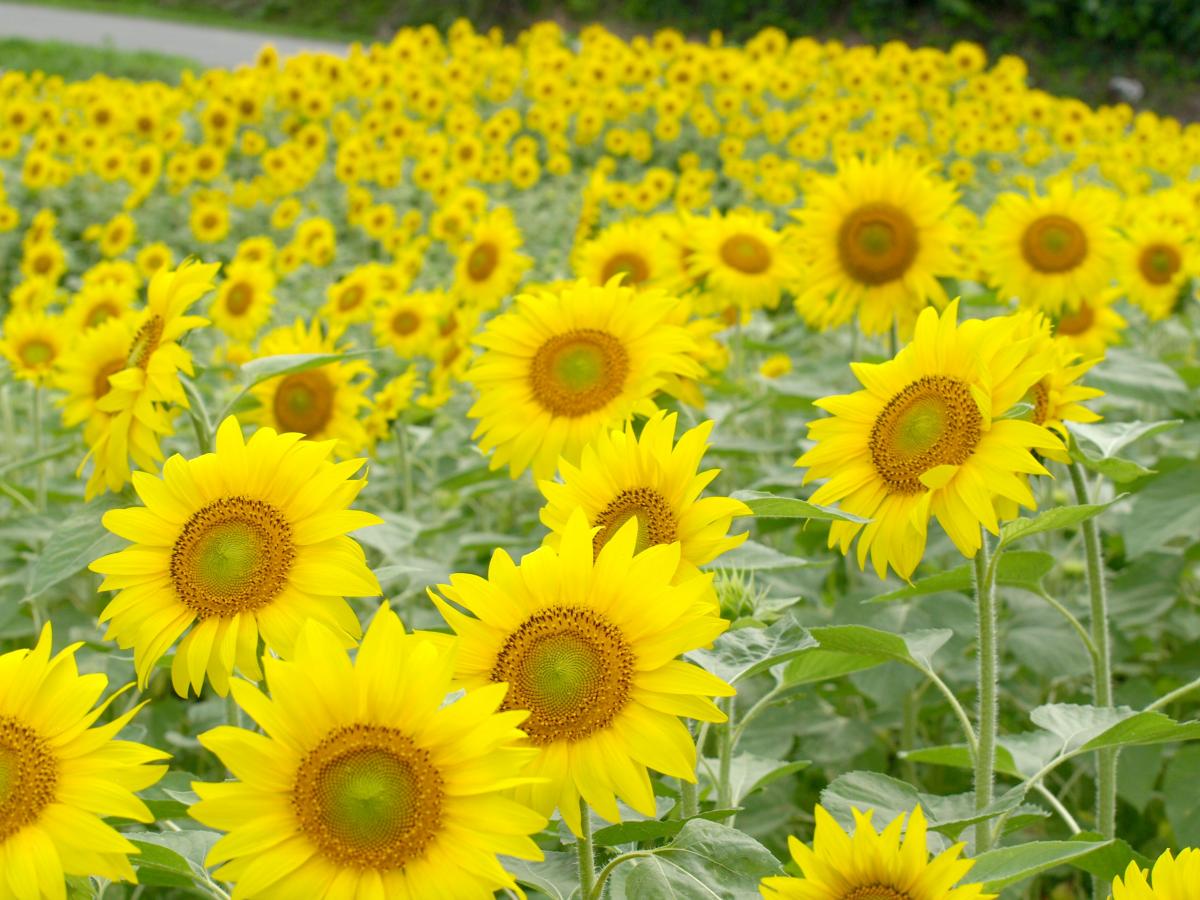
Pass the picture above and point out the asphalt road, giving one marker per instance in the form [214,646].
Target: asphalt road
[210,46]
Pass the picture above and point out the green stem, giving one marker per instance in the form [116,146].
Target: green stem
[689,798]
[598,889]
[587,856]
[1102,688]
[725,759]
[40,478]
[1168,699]
[233,712]
[406,479]
[985,755]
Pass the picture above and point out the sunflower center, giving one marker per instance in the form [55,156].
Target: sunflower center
[304,402]
[877,243]
[28,776]
[100,385]
[482,261]
[100,313]
[875,892]
[571,668]
[1159,263]
[239,298]
[631,265]
[934,421]
[578,372]
[655,519]
[145,342]
[42,264]
[350,298]
[232,556]
[368,797]
[36,352]
[1039,396]
[1076,322]
[746,253]
[1054,244]
[405,322]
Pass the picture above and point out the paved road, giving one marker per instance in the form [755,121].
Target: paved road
[210,46]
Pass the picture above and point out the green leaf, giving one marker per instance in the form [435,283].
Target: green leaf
[71,546]
[740,654]
[769,506]
[817,664]
[752,556]
[1125,373]
[1105,440]
[749,773]
[258,370]
[1144,728]
[1020,568]
[1179,796]
[957,756]
[1108,862]
[1008,865]
[160,866]
[917,647]
[1075,724]
[1165,512]
[171,796]
[1051,520]
[556,876]
[652,829]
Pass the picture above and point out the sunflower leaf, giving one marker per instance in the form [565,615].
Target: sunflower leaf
[744,652]
[770,506]
[1008,865]
[1051,520]
[1020,568]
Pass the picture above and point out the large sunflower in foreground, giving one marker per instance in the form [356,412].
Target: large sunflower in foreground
[873,865]
[250,539]
[589,643]
[1172,878]
[365,783]
[652,480]
[927,437]
[565,364]
[876,237]
[61,777]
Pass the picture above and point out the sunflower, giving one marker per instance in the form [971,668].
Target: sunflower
[874,865]
[244,300]
[325,403]
[1054,251]
[153,257]
[1092,327]
[352,299]
[408,323]
[588,644]
[364,781]
[97,303]
[32,342]
[44,259]
[250,539]
[62,777]
[876,237]
[489,267]
[1154,262]
[83,372]
[652,480]
[927,437]
[741,260]
[636,249]
[1173,878]
[567,363]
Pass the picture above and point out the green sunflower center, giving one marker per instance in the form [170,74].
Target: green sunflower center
[304,402]
[877,243]
[482,261]
[1158,263]
[239,298]
[875,892]
[1054,244]
[934,421]
[571,668]
[35,353]
[746,253]
[632,265]
[28,776]
[231,556]
[578,372]
[1076,322]
[368,797]
[655,518]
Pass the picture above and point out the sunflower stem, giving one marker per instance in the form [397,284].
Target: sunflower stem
[406,479]
[40,476]
[689,798]
[985,755]
[894,339]
[725,758]
[1102,688]
[233,712]
[587,856]
[602,878]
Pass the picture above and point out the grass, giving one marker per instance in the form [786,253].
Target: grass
[74,62]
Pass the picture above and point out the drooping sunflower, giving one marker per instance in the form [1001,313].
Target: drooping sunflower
[1051,251]
[565,364]
[408,323]
[62,777]
[1172,878]
[32,342]
[1092,327]
[874,865]
[653,480]
[741,260]
[325,403]
[489,266]
[244,300]
[83,372]
[248,540]
[364,782]
[1154,261]
[875,237]
[635,249]
[589,643]
[927,437]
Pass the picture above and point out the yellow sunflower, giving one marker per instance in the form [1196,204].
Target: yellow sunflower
[489,267]
[1051,251]
[927,437]
[741,260]
[32,342]
[1092,327]
[565,364]
[97,303]
[653,480]
[408,323]
[635,249]
[325,403]
[250,539]
[153,257]
[352,298]
[83,372]
[44,260]
[874,865]
[364,782]
[589,644]
[1154,261]
[1173,878]
[244,300]
[876,237]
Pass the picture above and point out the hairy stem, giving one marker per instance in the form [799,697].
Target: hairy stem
[587,856]
[985,754]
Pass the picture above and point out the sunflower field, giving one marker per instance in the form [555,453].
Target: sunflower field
[570,466]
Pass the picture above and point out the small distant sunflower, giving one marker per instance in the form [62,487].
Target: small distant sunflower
[589,645]
[652,480]
[876,238]
[352,299]
[244,300]
[489,266]
[741,259]
[1173,878]
[927,437]
[325,403]
[62,777]
[874,865]
[32,342]
[153,257]
[565,364]
[249,540]
[44,259]
[408,323]
[1051,251]
[1092,327]
[1154,262]
[97,303]
[365,782]
[635,249]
